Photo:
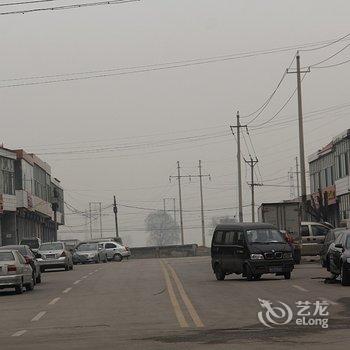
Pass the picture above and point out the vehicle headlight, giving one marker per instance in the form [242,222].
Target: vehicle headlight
[256,256]
[348,260]
[287,255]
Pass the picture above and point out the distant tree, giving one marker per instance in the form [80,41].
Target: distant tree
[162,229]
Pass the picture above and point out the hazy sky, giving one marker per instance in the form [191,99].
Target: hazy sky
[153,116]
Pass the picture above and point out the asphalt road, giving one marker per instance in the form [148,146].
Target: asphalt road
[168,304]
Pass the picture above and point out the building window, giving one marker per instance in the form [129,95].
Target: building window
[7,176]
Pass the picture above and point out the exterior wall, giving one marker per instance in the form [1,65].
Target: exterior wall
[27,210]
[330,171]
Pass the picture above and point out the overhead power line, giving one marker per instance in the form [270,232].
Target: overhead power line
[119,71]
[25,2]
[67,7]
[330,57]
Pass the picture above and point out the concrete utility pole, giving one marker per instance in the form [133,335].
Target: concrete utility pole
[297,173]
[101,232]
[164,205]
[239,165]
[178,177]
[200,176]
[252,162]
[115,210]
[90,216]
[301,137]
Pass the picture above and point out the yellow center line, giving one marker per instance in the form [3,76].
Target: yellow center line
[179,315]
[193,313]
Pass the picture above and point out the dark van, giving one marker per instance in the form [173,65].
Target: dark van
[250,249]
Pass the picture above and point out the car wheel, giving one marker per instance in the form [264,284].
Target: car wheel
[30,286]
[219,273]
[287,275]
[71,267]
[105,260]
[257,277]
[248,273]
[38,279]
[66,268]
[19,288]
[117,257]
[42,269]
[33,278]
[344,277]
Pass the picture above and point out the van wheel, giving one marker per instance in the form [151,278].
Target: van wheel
[38,279]
[219,274]
[344,277]
[248,273]
[287,275]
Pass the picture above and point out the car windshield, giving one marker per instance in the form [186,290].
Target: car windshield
[32,243]
[87,247]
[262,235]
[6,256]
[51,246]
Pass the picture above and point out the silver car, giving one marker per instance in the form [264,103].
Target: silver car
[116,251]
[90,252]
[15,272]
[54,255]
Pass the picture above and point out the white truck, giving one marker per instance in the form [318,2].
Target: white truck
[308,237]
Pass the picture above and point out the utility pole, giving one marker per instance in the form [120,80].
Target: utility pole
[297,173]
[164,209]
[115,210]
[178,177]
[200,176]
[101,233]
[291,183]
[90,216]
[239,165]
[252,162]
[301,137]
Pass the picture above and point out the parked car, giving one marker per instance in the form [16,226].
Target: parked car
[250,249]
[89,252]
[339,257]
[116,251]
[313,236]
[30,257]
[15,272]
[330,238]
[32,242]
[55,255]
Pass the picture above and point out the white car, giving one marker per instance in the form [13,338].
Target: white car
[116,251]
[15,272]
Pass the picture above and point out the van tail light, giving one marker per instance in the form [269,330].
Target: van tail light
[63,255]
[11,268]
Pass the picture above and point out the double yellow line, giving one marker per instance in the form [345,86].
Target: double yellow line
[168,273]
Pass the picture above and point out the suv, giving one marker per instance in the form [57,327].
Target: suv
[313,236]
[250,249]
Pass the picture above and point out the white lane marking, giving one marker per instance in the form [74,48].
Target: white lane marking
[85,276]
[77,281]
[328,301]
[19,333]
[67,290]
[300,288]
[91,273]
[54,301]
[96,270]
[38,316]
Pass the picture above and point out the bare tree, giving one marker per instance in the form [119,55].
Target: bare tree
[162,229]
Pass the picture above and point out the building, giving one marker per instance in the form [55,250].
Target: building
[329,176]
[31,200]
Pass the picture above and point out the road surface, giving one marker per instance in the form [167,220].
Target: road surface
[167,304]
